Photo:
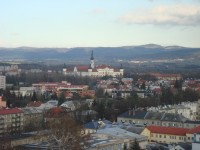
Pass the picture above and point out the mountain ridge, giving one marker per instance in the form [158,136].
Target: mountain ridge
[148,51]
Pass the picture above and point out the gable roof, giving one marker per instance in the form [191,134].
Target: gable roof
[194,130]
[154,115]
[136,115]
[103,66]
[185,146]
[167,130]
[173,117]
[192,122]
[10,111]
[34,104]
[82,68]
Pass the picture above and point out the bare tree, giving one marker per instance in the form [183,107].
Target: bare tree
[65,133]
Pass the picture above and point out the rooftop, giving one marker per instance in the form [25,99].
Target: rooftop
[10,111]
[173,117]
[167,130]
[154,115]
[194,130]
[136,115]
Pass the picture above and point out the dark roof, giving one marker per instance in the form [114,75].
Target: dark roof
[136,115]
[91,125]
[192,122]
[154,115]
[173,117]
[185,146]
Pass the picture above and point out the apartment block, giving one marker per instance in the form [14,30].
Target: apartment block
[2,82]
[11,121]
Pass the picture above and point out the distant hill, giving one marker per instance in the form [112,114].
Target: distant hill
[143,52]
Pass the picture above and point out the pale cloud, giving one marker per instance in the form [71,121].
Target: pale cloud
[97,11]
[164,15]
[15,34]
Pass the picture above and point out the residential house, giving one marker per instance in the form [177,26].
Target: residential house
[196,142]
[133,116]
[165,134]
[152,118]
[2,103]
[191,134]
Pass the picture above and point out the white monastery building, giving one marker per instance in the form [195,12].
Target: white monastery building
[94,70]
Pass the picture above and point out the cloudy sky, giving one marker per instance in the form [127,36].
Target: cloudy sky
[75,23]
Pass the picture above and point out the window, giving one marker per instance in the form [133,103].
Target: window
[188,138]
[164,136]
[160,136]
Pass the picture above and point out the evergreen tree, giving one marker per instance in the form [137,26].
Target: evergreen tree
[125,147]
[34,97]
[135,145]
[100,109]
[61,99]
[143,86]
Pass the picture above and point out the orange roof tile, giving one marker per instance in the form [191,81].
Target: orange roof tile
[82,68]
[34,104]
[194,130]
[103,66]
[168,130]
[10,111]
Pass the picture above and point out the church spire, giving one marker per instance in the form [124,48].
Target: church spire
[92,60]
[92,57]
[121,67]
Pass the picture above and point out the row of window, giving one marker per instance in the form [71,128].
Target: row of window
[171,137]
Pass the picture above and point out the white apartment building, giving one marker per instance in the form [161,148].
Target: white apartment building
[2,82]
[194,109]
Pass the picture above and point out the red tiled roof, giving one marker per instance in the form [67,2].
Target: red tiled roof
[54,112]
[82,68]
[157,90]
[103,67]
[10,111]
[167,130]
[194,130]
[34,104]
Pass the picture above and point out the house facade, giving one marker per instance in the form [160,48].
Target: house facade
[2,82]
[165,134]
[157,119]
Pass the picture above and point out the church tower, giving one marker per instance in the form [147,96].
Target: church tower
[92,61]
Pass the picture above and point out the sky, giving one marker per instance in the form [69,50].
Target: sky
[92,23]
